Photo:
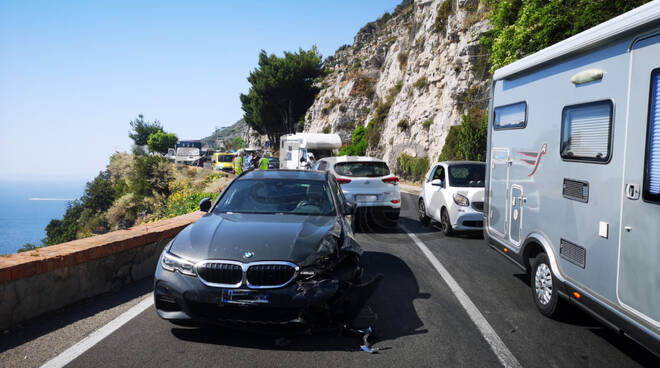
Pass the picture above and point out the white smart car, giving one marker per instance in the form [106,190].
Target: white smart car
[368,182]
[453,195]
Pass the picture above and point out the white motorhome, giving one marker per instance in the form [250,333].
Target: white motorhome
[294,147]
[573,175]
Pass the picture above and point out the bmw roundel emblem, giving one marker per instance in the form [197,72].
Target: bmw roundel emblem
[248,255]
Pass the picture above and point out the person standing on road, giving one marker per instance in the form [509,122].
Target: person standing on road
[263,163]
[238,164]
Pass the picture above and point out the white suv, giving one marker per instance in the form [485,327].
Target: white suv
[453,194]
[368,182]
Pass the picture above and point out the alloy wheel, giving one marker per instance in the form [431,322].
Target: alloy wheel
[543,283]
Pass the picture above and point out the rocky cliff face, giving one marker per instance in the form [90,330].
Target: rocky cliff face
[414,73]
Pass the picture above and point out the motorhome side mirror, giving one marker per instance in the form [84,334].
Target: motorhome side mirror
[205,204]
[437,183]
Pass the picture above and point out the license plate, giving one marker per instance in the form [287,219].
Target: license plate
[231,296]
[366,198]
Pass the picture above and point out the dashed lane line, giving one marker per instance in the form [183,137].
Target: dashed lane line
[492,338]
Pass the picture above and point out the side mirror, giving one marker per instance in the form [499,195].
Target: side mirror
[438,183]
[205,205]
[350,208]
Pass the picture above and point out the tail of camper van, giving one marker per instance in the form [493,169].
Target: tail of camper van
[573,175]
[294,148]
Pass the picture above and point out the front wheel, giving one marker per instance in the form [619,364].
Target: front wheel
[446,223]
[421,213]
[545,287]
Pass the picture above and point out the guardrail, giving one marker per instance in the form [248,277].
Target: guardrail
[49,278]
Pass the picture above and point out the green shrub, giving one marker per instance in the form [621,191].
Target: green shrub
[342,108]
[326,129]
[183,202]
[521,28]
[427,124]
[441,19]
[403,59]
[421,83]
[468,140]
[363,86]
[403,124]
[28,247]
[412,168]
[358,146]
[376,125]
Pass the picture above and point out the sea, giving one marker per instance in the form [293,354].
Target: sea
[26,207]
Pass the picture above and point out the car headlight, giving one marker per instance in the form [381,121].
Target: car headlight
[461,200]
[173,263]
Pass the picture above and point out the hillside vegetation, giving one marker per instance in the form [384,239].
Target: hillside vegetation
[414,85]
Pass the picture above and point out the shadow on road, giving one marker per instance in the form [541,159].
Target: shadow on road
[391,307]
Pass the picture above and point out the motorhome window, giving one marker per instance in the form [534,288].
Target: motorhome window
[586,132]
[652,169]
[512,116]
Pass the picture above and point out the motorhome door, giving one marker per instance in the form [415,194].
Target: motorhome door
[499,186]
[638,284]
[292,155]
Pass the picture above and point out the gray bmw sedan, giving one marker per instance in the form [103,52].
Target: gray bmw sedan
[276,247]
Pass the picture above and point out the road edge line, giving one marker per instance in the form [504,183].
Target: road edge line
[68,355]
[492,338]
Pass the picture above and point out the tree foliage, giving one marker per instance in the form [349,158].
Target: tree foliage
[412,168]
[237,143]
[522,27]
[358,146]
[142,129]
[160,142]
[468,140]
[281,91]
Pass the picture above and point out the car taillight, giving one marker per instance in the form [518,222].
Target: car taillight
[395,201]
[343,180]
[391,180]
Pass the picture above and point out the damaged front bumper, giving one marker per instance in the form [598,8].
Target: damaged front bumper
[186,300]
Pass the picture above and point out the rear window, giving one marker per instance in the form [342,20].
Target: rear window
[364,169]
[225,158]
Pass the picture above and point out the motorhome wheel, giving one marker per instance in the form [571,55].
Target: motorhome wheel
[544,287]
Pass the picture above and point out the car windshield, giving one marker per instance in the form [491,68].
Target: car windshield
[225,158]
[364,169]
[281,196]
[467,175]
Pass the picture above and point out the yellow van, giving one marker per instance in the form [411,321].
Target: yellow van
[222,161]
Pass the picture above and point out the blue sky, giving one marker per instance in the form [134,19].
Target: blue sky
[73,73]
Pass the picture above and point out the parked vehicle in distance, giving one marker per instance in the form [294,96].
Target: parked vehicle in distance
[295,147]
[222,161]
[369,182]
[188,152]
[276,247]
[273,163]
[453,195]
[171,154]
[574,172]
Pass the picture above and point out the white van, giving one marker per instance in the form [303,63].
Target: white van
[573,172]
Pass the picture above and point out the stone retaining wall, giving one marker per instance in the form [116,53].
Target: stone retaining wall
[46,279]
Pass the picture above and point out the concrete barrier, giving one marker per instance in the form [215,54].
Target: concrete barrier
[46,279]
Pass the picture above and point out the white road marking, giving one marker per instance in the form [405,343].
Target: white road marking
[492,338]
[95,337]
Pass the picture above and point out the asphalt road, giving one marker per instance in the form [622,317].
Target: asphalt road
[418,319]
